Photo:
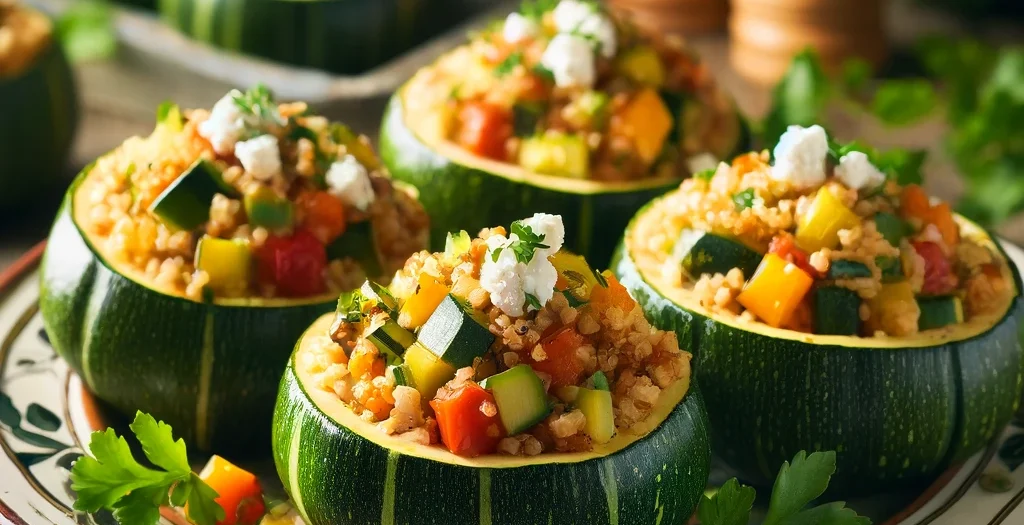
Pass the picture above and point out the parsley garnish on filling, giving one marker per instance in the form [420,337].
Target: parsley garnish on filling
[533,301]
[526,244]
[508,65]
[259,102]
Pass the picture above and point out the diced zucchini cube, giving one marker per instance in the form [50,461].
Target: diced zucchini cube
[456,333]
[266,208]
[596,405]
[521,399]
[391,339]
[427,371]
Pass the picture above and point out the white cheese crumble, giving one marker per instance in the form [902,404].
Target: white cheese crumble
[857,172]
[508,281]
[800,157]
[570,59]
[260,156]
[702,162]
[518,28]
[582,18]
[348,180]
[225,125]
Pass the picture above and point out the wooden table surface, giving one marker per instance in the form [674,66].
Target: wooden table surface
[120,95]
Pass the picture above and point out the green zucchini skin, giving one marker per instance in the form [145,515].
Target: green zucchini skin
[139,349]
[346,37]
[343,478]
[465,198]
[40,115]
[894,416]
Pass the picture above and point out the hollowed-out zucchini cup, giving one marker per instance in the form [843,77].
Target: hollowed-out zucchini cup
[39,105]
[412,405]
[918,375]
[177,277]
[531,116]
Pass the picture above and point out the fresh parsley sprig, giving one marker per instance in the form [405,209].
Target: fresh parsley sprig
[525,245]
[507,66]
[112,479]
[798,484]
[352,306]
[259,102]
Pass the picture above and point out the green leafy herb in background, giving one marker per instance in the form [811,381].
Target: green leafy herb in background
[112,479]
[980,90]
[798,484]
[86,30]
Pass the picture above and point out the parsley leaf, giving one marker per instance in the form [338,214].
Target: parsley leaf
[798,483]
[705,175]
[86,30]
[507,66]
[112,479]
[600,278]
[535,9]
[533,301]
[831,513]
[544,73]
[744,199]
[350,306]
[729,506]
[904,101]
[799,98]
[527,243]
[259,102]
[574,301]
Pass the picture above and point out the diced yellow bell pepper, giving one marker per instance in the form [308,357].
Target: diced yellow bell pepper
[648,122]
[643,66]
[420,305]
[596,405]
[574,274]
[819,227]
[228,263]
[556,154]
[889,309]
[775,290]
[428,372]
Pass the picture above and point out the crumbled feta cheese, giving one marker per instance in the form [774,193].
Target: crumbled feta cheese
[601,29]
[348,180]
[702,162]
[518,28]
[857,172]
[582,18]
[508,280]
[225,125]
[260,156]
[800,157]
[570,59]
[570,14]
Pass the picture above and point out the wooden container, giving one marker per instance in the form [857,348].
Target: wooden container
[765,34]
[676,16]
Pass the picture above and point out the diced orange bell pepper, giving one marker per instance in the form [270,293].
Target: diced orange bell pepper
[775,290]
[484,129]
[561,362]
[602,297]
[914,203]
[431,291]
[648,121]
[322,214]
[942,217]
[463,420]
[238,492]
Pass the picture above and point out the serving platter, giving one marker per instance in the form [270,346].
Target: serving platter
[46,417]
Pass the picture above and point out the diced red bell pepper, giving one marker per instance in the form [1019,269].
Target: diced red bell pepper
[294,264]
[238,492]
[938,272]
[561,363]
[785,247]
[484,129]
[465,427]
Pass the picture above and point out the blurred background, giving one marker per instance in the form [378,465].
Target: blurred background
[944,78]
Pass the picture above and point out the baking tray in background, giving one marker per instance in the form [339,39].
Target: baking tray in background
[156,63]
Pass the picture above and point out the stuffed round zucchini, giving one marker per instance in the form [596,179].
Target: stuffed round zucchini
[181,264]
[502,381]
[38,105]
[831,307]
[567,110]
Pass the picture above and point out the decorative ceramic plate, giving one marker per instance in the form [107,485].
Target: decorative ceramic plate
[46,416]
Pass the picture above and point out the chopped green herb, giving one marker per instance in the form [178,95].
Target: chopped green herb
[574,301]
[351,306]
[259,102]
[544,73]
[112,479]
[507,66]
[705,175]
[528,242]
[535,9]
[600,278]
[532,300]
[86,30]
[744,199]
[799,482]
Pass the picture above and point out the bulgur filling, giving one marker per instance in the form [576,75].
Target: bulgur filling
[821,241]
[24,35]
[253,198]
[573,91]
[466,350]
